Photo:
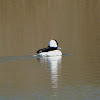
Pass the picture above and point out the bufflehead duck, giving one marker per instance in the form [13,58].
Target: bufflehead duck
[51,50]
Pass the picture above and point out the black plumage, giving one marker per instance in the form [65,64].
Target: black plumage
[46,49]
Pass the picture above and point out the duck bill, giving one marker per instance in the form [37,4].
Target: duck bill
[58,48]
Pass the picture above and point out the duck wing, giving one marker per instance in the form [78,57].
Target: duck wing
[46,49]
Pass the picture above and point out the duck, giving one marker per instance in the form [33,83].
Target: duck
[51,50]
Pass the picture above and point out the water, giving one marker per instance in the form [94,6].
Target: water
[42,78]
[26,26]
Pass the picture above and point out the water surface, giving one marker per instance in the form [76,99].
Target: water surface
[62,77]
[26,26]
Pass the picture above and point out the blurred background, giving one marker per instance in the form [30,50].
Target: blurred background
[28,25]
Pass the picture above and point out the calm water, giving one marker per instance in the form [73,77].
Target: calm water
[26,26]
[68,77]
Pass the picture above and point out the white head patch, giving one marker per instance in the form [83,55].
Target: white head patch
[52,43]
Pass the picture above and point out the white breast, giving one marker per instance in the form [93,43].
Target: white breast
[51,53]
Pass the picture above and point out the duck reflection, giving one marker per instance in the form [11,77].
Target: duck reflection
[54,64]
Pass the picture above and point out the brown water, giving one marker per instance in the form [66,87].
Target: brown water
[26,26]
